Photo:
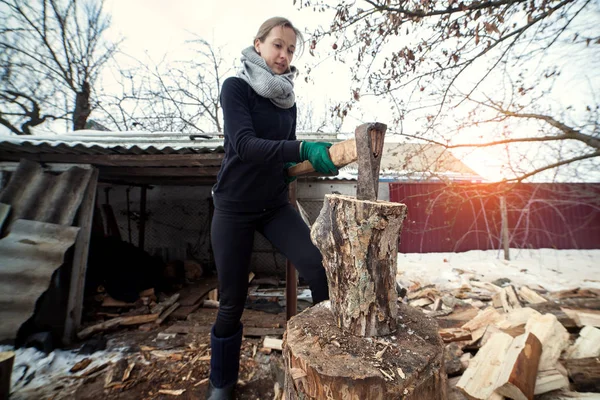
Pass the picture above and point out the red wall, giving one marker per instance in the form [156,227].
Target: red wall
[461,217]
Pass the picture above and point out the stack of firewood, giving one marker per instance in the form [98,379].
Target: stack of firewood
[518,344]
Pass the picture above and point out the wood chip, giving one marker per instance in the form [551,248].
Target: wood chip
[388,376]
[172,392]
[401,373]
[81,365]
[273,343]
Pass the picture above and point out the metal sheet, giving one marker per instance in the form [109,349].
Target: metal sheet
[36,195]
[28,257]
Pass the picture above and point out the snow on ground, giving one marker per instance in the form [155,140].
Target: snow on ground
[36,373]
[551,269]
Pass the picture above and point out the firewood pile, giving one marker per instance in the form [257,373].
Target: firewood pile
[513,342]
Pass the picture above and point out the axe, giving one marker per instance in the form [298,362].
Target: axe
[366,148]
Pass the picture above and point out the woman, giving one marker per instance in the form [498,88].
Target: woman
[251,193]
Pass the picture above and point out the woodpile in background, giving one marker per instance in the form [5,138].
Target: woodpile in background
[517,343]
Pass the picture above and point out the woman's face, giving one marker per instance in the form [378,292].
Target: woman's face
[278,49]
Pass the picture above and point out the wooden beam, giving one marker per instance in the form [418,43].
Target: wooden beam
[124,160]
[80,257]
[158,172]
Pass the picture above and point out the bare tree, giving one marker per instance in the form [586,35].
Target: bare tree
[182,96]
[51,54]
[500,70]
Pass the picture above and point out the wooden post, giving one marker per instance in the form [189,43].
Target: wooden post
[80,257]
[291,284]
[142,225]
[505,233]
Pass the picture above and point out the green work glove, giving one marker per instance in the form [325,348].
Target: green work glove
[317,154]
[286,166]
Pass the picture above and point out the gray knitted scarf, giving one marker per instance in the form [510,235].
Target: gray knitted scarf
[278,88]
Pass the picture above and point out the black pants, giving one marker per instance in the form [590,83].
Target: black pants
[232,242]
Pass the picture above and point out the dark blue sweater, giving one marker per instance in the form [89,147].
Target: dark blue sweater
[259,139]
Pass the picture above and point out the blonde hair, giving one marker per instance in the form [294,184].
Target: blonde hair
[274,22]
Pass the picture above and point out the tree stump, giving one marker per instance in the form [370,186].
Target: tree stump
[324,362]
[362,344]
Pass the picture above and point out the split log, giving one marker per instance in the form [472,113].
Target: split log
[478,381]
[554,309]
[550,380]
[359,243]
[166,313]
[584,317]
[324,362]
[509,298]
[7,359]
[553,336]
[585,374]
[531,296]
[586,345]
[519,370]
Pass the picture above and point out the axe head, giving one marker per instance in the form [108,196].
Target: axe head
[369,148]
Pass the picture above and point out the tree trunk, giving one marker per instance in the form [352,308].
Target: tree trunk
[82,107]
[324,362]
[359,243]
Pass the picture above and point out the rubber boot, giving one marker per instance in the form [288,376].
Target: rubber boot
[224,365]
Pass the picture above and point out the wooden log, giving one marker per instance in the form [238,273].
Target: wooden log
[359,243]
[585,373]
[323,362]
[478,381]
[553,336]
[7,359]
[519,371]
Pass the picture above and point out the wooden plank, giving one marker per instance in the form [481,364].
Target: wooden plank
[478,381]
[183,311]
[166,314]
[126,160]
[553,336]
[519,369]
[549,380]
[192,294]
[531,296]
[80,257]
[160,307]
[585,373]
[586,345]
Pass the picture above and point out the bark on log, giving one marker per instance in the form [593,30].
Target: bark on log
[359,243]
[324,362]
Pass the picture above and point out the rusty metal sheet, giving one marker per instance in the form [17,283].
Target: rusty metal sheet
[29,255]
[36,195]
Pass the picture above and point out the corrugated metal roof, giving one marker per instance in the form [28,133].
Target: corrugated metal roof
[36,195]
[28,256]
[43,206]
[130,142]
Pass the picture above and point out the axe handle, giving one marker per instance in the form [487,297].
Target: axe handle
[341,154]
